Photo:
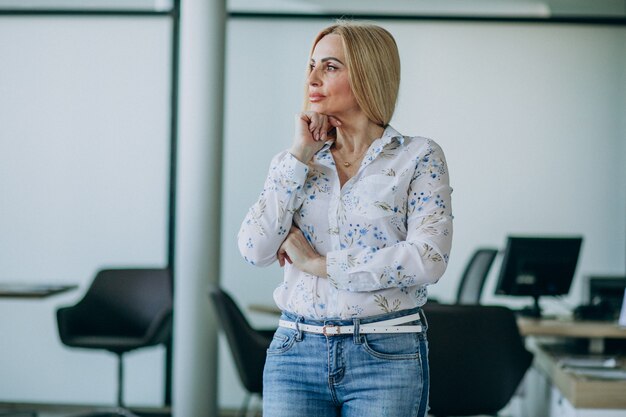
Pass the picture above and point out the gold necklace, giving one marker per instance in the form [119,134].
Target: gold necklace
[348,163]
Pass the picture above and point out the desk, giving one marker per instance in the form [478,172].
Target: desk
[560,392]
[33,290]
[582,392]
[265,309]
[595,331]
[570,328]
[29,291]
[571,395]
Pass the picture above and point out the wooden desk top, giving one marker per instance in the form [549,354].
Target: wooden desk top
[581,391]
[570,328]
[33,290]
[265,309]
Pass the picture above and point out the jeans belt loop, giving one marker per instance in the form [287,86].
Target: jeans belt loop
[424,321]
[298,321]
[357,331]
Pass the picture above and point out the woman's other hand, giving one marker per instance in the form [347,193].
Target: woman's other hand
[297,250]
[311,132]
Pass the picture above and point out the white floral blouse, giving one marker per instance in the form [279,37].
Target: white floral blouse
[386,233]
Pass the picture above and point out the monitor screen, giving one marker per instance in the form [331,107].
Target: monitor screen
[607,291]
[538,266]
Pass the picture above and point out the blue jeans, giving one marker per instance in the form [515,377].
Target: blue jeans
[357,375]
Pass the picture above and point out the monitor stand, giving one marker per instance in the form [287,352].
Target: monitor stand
[533,311]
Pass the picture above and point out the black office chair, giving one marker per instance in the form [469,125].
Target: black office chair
[477,359]
[247,345]
[123,310]
[474,276]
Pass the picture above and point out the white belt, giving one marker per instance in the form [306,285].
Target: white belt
[385,326]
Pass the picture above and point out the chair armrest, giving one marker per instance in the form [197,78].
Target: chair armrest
[71,322]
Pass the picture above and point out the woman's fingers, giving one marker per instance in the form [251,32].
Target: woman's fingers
[313,124]
[324,125]
[311,132]
[290,244]
[310,122]
[297,250]
[325,128]
[283,256]
[334,122]
[319,124]
[287,245]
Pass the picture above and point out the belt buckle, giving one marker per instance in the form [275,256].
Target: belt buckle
[325,331]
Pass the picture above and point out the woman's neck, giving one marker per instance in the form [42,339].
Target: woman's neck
[353,136]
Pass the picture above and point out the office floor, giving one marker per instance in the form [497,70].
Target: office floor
[226,413]
[72,414]
[55,414]
[49,410]
[44,410]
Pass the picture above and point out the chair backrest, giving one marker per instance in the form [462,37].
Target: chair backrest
[247,345]
[474,276]
[477,358]
[133,302]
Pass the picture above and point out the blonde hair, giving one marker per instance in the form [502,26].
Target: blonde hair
[373,66]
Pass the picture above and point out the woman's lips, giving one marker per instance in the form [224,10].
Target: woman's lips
[316,97]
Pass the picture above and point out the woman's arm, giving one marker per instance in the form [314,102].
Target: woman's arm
[422,258]
[297,250]
[269,220]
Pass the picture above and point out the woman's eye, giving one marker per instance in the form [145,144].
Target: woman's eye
[331,68]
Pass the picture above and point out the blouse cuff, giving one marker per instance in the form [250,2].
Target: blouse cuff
[290,170]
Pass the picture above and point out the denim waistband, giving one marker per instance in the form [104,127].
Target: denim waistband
[346,322]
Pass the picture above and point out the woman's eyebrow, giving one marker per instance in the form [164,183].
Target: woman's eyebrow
[329,58]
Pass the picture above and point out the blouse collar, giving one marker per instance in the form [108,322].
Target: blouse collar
[389,134]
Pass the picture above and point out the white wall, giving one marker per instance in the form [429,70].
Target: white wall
[528,115]
[84,157]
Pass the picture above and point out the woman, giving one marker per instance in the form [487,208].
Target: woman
[359,216]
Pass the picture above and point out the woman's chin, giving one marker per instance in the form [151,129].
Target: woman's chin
[321,107]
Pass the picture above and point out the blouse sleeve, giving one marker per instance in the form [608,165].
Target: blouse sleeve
[264,228]
[423,257]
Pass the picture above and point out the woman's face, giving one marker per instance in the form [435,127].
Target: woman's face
[329,85]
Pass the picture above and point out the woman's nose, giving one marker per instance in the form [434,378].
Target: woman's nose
[314,78]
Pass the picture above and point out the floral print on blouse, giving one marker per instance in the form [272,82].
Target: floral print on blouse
[386,233]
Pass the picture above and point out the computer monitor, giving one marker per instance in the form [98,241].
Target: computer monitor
[538,266]
[607,293]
